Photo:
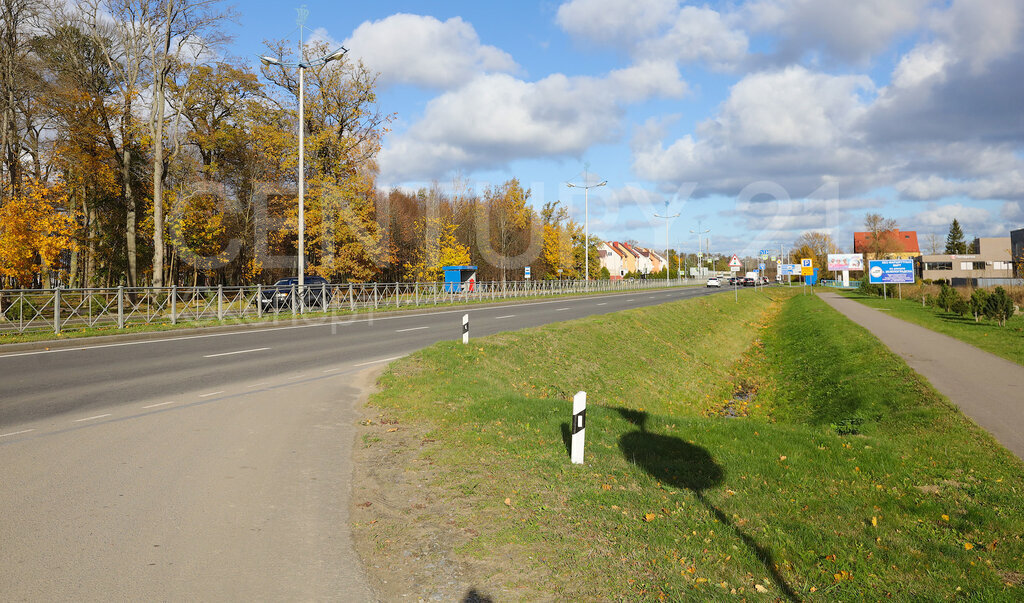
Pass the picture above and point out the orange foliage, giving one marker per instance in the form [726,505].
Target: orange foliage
[35,228]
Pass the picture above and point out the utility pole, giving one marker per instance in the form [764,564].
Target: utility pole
[667,217]
[586,218]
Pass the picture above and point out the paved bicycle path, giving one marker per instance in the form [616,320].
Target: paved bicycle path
[987,388]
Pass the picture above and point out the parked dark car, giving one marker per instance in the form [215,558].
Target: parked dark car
[278,297]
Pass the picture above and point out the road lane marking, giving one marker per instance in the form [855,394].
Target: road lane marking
[14,433]
[560,309]
[369,320]
[236,352]
[260,384]
[503,317]
[211,394]
[159,404]
[294,377]
[92,418]
[377,361]
[629,300]
[332,370]
[410,329]
[603,304]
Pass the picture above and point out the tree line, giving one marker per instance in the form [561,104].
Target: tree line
[136,152]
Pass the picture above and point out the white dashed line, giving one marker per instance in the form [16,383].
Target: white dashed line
[294,377]
[14,433]
[629,300]
[237,352]
[211,394]
[503,317]
[92,418]
[332,370]
[560,309]
[378,361]
[410,329]
[603,304]
[159,404]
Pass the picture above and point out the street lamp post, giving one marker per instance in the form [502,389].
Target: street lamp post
[302,66]
[667,217]
[586,221]
[700,248]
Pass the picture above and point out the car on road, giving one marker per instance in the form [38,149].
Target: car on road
[278,296]
[748,281]
[714,282]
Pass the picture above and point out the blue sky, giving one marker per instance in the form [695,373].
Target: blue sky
[759,119]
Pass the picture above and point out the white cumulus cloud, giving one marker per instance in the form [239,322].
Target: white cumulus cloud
[424,51]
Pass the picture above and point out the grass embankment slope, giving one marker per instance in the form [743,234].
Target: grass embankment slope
[1006,341]
[844,476]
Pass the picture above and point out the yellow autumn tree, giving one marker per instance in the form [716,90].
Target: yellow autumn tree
[36,227]
[439,247]
[197,232]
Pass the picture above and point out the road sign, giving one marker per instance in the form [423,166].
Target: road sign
[760,266]
[807,267]
[735,262]
[527,273]
[891,271]
[789,269]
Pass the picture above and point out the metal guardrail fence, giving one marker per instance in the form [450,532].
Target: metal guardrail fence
[57,310]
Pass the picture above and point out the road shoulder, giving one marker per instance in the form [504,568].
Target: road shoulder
[986,388]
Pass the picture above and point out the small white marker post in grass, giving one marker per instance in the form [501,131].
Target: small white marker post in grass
[465,328]
[579,421]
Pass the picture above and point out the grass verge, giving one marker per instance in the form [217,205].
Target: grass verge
[73,331]
[1006,341]
[767,449]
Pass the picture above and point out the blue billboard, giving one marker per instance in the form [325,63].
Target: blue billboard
[891,272]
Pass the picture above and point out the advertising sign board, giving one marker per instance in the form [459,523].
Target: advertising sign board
[845,261]
[891,271]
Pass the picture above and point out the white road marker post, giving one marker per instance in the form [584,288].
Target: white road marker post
[579,422]
[465,328]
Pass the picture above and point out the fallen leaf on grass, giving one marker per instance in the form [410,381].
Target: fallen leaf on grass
[968,546]
[508,501]
[392,430]
[945,517]
[649,517]
[759,588]
[874,521]
[606,487]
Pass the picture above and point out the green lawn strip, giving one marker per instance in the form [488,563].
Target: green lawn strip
[1006,341]
[675,499]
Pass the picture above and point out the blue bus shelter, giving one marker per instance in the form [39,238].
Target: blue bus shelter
[459,278]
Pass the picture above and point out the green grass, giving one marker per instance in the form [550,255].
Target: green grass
[73,331]
[840,475]
[1006,341]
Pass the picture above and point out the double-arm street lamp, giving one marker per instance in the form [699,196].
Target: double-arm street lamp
[668,274]
[700,249]
[302,66]
[586,186]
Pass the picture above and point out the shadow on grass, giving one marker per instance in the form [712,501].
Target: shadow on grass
[474,596]
[691,467]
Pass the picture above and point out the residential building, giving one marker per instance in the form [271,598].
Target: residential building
[1017,252]
[612,259]
[900,244]
[629,256]
[993,261]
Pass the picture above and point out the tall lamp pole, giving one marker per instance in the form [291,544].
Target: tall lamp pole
[700,248]
[586,186]
[302,67]
[667,217]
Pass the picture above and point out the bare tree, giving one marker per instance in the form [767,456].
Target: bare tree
[881,236]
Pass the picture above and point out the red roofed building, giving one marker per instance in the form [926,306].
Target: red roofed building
[895,245]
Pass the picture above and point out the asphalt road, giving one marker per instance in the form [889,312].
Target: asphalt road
[209,466]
